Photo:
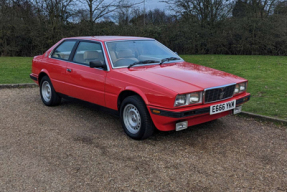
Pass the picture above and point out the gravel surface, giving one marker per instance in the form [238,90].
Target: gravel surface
[77,147]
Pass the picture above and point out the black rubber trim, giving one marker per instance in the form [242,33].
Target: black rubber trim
[243,100]
[34,78]
[89,104]
[193,112]
[180,114]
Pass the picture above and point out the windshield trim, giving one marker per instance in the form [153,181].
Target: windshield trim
[138,65]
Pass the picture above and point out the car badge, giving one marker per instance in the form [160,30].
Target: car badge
[222,93]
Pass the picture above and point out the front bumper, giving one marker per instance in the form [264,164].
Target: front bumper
[165,120]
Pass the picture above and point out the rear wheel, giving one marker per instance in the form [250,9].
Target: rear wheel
[135,118]
[48,93]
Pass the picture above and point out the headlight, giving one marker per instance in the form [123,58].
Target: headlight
[242,87]
[195,97]
[187,99]
[180,100]
[236,90]
[239,88]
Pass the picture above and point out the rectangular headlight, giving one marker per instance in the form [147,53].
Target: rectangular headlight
[240,87]
[187,99]
[180,100]
[195,97]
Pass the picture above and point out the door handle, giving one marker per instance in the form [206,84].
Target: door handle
[69,70]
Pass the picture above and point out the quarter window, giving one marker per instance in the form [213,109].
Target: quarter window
[88,51]
[64,50]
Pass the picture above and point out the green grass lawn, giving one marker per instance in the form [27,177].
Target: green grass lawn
[267,77]
[15,70]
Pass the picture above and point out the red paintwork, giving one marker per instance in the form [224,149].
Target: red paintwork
[168,123]
[157,85]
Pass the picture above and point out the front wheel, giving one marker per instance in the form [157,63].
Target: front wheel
[135,118]
[48,93]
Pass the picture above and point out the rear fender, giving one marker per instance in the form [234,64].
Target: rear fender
[43,71]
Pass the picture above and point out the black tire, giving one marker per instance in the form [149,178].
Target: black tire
[146,127]
[51,99]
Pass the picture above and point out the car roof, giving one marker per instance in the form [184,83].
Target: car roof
[110,38]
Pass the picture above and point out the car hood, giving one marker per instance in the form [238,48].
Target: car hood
[184,77]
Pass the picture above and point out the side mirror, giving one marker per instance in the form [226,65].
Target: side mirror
[176,53]
[98,64]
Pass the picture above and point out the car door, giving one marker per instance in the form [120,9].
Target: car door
[57,64]
[87,83]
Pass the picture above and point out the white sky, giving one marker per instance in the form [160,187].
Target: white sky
[153,4]
[150,4]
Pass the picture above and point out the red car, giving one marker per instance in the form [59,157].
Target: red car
[147,83]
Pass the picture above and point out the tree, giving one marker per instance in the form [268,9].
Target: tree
[57,11]
[253,8]
[281,8]
[206,11]
[124,12]
[98,9]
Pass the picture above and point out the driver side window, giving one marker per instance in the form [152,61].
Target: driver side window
[88,51]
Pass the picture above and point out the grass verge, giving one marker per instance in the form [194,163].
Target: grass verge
[15,70]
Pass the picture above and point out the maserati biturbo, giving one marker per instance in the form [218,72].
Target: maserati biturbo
[149,85]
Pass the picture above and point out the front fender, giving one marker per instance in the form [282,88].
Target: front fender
[139,92]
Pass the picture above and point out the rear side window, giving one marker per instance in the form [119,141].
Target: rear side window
[88,51]
[64,50]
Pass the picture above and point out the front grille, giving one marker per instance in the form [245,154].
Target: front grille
[219,93]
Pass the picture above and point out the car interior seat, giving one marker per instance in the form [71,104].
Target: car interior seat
[93,56]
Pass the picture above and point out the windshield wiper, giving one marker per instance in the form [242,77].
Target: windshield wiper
[168,59]
[143,62]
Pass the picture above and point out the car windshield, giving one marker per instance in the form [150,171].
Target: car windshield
[136,52]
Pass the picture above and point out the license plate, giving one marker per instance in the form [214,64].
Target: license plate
[222,107]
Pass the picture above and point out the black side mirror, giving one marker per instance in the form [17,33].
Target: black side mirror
[98,64]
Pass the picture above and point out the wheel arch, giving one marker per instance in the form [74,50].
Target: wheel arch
[129,91]
[42,74]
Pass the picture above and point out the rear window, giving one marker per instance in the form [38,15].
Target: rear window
[64,50]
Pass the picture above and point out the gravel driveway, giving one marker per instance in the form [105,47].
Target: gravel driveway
[77,147]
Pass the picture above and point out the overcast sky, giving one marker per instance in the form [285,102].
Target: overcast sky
[150,4]
[153,4]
